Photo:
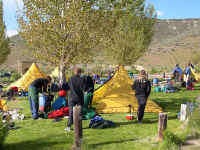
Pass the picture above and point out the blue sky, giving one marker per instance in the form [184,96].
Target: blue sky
[166,9]
[176,9]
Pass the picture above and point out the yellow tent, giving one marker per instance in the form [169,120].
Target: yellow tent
[3,105]
[32,74]
[116,95]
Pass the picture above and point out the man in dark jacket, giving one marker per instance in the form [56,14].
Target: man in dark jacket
[142,87]
[76,94]
[89,86]
[38,86]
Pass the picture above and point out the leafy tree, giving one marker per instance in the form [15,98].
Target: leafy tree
[63,32]
[4,41]
[133,29]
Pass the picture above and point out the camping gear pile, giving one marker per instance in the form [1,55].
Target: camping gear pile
[99,123]
[59,107]
[14,115]
[166,87]
[7,117]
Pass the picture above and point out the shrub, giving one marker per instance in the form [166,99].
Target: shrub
[135,71]
[3,131]
[194,121]
[153,70]
[15,76]
[171,141]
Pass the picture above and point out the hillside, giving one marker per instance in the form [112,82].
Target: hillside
[18,52]
[174,41]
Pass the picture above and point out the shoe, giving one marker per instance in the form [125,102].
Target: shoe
[68,129]
[139,122]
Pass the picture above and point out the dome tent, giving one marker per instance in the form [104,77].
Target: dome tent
[116,95]
[32,74]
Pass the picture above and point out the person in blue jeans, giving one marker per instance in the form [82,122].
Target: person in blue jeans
[188,75]
[38,86]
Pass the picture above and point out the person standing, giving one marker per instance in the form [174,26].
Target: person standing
[142,87]
[37,86]
[89,86]
[76,94]
[188,75]
[177,73]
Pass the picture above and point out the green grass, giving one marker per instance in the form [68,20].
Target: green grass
[128,135]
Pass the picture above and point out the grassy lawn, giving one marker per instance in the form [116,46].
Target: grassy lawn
[128,135]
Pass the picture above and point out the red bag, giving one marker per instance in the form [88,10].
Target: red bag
[62,93]
[14,88]
[59,113]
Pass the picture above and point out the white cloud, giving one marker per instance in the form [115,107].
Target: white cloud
[10,33]
[160,13]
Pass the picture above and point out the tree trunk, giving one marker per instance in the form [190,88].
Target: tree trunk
[162,125]
[78,132]
[62,75]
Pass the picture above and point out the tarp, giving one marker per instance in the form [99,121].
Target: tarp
[32,74]
[195,75]
[116,95]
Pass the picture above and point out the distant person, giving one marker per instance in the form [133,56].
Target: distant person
[177,73]
[191,65]
[188,75]
[142,87]
[76,94]
[164,75]
[109,75]
[38,86]
[96,78]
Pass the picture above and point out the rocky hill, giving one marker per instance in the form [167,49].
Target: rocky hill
[174,41]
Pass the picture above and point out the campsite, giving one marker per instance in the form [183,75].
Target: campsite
[99,75]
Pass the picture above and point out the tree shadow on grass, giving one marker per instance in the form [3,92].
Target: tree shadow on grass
[171,104]
[135,122]
[38,144]
[94,146]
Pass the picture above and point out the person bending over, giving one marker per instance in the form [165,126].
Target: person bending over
[38,86]
[142,87]
[76,94]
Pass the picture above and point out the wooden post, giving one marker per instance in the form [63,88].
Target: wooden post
[162,125]
[78,133]
[183,112]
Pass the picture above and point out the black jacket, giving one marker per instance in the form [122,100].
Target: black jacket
[142,87]
[89,84]
[76,93]
[40,84]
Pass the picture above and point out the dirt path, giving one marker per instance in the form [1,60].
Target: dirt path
[191,145]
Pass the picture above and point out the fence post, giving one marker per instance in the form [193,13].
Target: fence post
[183,114]
[78,133]
[162,125]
